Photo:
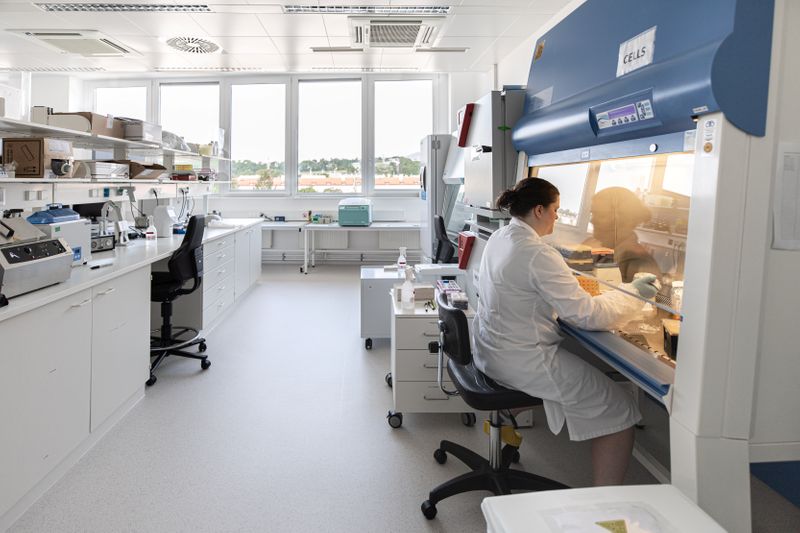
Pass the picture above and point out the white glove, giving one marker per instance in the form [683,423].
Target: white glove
[646,285]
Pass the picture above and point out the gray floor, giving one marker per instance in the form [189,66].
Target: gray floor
[287,432]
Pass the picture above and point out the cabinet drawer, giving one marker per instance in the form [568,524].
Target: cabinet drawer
[216,308]
[416,333]
[211,278]
[214,256]
[217,245]
[426,397]
[416,365]
[213,293]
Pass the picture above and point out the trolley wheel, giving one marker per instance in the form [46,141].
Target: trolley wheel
[429,509]
[368,344]
[516,457]
[388,378]
[202,347]
[395,419]
[440,455]
[468,419]
[152,381]
[204,364]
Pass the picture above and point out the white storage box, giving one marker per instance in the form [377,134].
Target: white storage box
[138,130]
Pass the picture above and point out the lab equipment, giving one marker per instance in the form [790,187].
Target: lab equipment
[150,233]
[447,285]
[103,243]
[490,165]
[53,214]
[376,282]
[672,329]
[433,156]
[29,260]
[186,264]
[676,296]
[77,233]
[407,291]
[458,299]
[445,249]
[165,219]
[355,212]
[401,260]
[466,240]
[101,170]
[481,394]
[112,212]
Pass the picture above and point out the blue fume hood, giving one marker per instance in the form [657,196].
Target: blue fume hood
[694,58]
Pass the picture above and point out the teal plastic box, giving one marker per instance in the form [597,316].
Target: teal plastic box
[355,212]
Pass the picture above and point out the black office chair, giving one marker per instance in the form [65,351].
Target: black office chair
[186,264]
[483,394]
[445,250]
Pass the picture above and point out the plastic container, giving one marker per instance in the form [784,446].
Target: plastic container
[407,292]
[401,260]
[676,297]
[150,233]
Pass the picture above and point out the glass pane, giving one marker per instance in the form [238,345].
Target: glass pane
[403,116]
[570,181]
[128,102]
[678,174]
[191,111]
[633,174]
[258,137]
[329,137]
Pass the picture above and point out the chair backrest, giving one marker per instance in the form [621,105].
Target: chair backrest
[444,248]
[454,332]
[186,262]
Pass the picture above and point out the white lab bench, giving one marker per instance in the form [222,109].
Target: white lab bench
[75,357]
[376,314]
[580,510]
[414,363]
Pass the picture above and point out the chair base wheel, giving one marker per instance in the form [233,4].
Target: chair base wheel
[368,344]
[388,379]
[428,509]
[440,455]
[395,419]
[204,364]
[468,419]
[152,381]
[202,347]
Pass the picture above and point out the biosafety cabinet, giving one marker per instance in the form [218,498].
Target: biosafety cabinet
[670,130]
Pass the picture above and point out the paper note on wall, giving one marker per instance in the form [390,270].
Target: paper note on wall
[786,199]
[637,52]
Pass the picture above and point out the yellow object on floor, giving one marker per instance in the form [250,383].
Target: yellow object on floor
[508,434]
[615,526]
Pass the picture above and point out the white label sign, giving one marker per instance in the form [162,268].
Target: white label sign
[637,52]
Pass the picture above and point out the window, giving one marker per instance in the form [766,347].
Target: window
[329,137]
[570,181]
[191,111]
[678,174]
[258,137]
[633,174]
[403,116]
[128,102]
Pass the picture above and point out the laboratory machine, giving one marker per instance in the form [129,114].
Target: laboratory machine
[59,222]
[355,212]
[667,128]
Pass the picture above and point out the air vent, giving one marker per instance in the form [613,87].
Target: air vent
[52,69]
[367,69]
[368,10]
[87,43]
[107,7]
[193,45]
[214,69]
[394,32]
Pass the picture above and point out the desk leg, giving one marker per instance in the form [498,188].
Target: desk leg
[313,251]
[305,251]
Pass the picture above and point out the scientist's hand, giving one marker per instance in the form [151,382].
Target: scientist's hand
[646,285]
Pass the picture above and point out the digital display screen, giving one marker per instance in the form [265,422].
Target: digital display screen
[622,111]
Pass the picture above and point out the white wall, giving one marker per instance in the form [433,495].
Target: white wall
[384,209]
[62,93]
[466,87]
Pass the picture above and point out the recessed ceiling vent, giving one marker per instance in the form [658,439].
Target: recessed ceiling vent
[52,69]
[87,43]
[108,7]
[193,45]
[394,32]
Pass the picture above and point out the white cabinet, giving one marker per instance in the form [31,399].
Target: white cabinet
[248,259]
[256,236]
[376,316]
[44,391]
[120,342]
[415,341]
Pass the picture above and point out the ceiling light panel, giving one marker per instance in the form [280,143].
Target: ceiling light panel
[52,69]
[367,10]
[104,7]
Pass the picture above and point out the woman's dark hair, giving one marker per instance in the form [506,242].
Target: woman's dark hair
[527,194]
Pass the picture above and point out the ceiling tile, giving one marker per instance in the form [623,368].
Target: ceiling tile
[247,45]
[167,24]
[478,25]
[526,25]
[266,61]
[495,3]
[293,25]
[306,62]
[118,64]
[298,45]
[407,60]
[548,6]
[357,60]
[337,25]
[227,24]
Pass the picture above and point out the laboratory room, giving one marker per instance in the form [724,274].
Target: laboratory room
[409,266]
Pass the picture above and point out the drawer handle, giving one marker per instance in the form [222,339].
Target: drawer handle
[430,365]
[221,256]
[86,301]
[425,334]
[222,272]
[107,291]
[221,288]
[435,398]
[219,305]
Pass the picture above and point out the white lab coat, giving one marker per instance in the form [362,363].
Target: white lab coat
[524,285]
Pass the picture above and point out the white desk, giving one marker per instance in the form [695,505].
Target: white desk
[542,511]
[74,357]
[310,229]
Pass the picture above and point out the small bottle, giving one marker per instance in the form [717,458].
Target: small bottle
[407,292]
[150,232]
[676,298]
[401,261]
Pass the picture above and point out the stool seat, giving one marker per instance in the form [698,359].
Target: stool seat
[163,286]
[483,393]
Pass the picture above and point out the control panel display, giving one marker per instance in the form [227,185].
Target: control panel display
[24,253]
[627,114]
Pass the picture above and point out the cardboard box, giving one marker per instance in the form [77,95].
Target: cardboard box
[89,123]
[138,130]
[35,156]
[139,171]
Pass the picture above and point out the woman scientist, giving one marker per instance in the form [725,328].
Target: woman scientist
[524,284]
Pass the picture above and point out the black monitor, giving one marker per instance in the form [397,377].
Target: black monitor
[92,211]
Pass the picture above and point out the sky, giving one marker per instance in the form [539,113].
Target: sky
[329,121]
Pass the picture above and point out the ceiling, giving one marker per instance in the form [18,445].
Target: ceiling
[258,35]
